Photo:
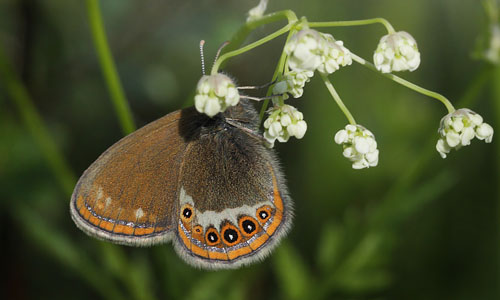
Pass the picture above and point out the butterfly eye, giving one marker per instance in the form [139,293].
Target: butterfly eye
[248,225]
[212,237]
[264,213]
[231,235]
[187,213]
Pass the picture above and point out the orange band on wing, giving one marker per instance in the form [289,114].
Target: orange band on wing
[217,255]
[112,225]
[185,239]
[259,241]
[239,252]
[144,231]
[278,204]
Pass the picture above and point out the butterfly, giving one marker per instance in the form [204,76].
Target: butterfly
[209,185]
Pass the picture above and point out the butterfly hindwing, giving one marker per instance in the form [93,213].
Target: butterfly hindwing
[234,206]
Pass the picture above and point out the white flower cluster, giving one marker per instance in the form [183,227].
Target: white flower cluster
[214,94]
[283,122]
[457,129]
[336,55]
[310,50]
[397,52]
[360,146]
[292,82]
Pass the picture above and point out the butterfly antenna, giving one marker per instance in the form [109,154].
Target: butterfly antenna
[202,43]
[220,49]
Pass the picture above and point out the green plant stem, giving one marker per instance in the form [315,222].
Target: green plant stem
[248,47]
[406,83]
[337,99]
[33,122]
[279,69]
[382,21]
[108,67]
[245,30]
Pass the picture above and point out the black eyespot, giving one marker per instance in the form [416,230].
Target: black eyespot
[231,235]
[263,215]
[212,237]
[248,226]
[187,213]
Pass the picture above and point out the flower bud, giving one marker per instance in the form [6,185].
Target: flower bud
[459,128]
[359,145]
[396,52]
[283,122]
[214,94]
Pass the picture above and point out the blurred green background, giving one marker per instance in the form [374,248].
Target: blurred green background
[414,227]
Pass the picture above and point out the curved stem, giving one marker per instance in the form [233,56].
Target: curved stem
[248,47]
[108,67]
[406,83]
[245,30]
[337,99]
[382,21]
[277,71]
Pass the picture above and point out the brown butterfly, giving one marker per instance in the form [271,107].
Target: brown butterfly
[207,184]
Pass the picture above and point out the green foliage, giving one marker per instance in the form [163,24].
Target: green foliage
[415,227]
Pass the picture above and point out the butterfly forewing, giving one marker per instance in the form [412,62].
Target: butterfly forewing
[129,194]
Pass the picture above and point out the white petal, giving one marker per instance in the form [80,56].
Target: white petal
[285,120]
[341,137]
[362,144]
[476,119]
[349,152]
[485,132]
[399,64]
[467,135]
[232,97]
[199,102]
[458,124]
[298,115]
[300,129]
[351,128]
[360,164]
[453,139]
[443,148]
[372,158]
[283,138]
[275,129]
[269,138]
[212,107]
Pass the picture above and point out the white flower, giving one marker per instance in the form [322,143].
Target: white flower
[304,50]
[397,52]
[310,50]
[359,145]
[283,122]
[214,94]
[292,82]
[458,128]
[258,11]
[335,55]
